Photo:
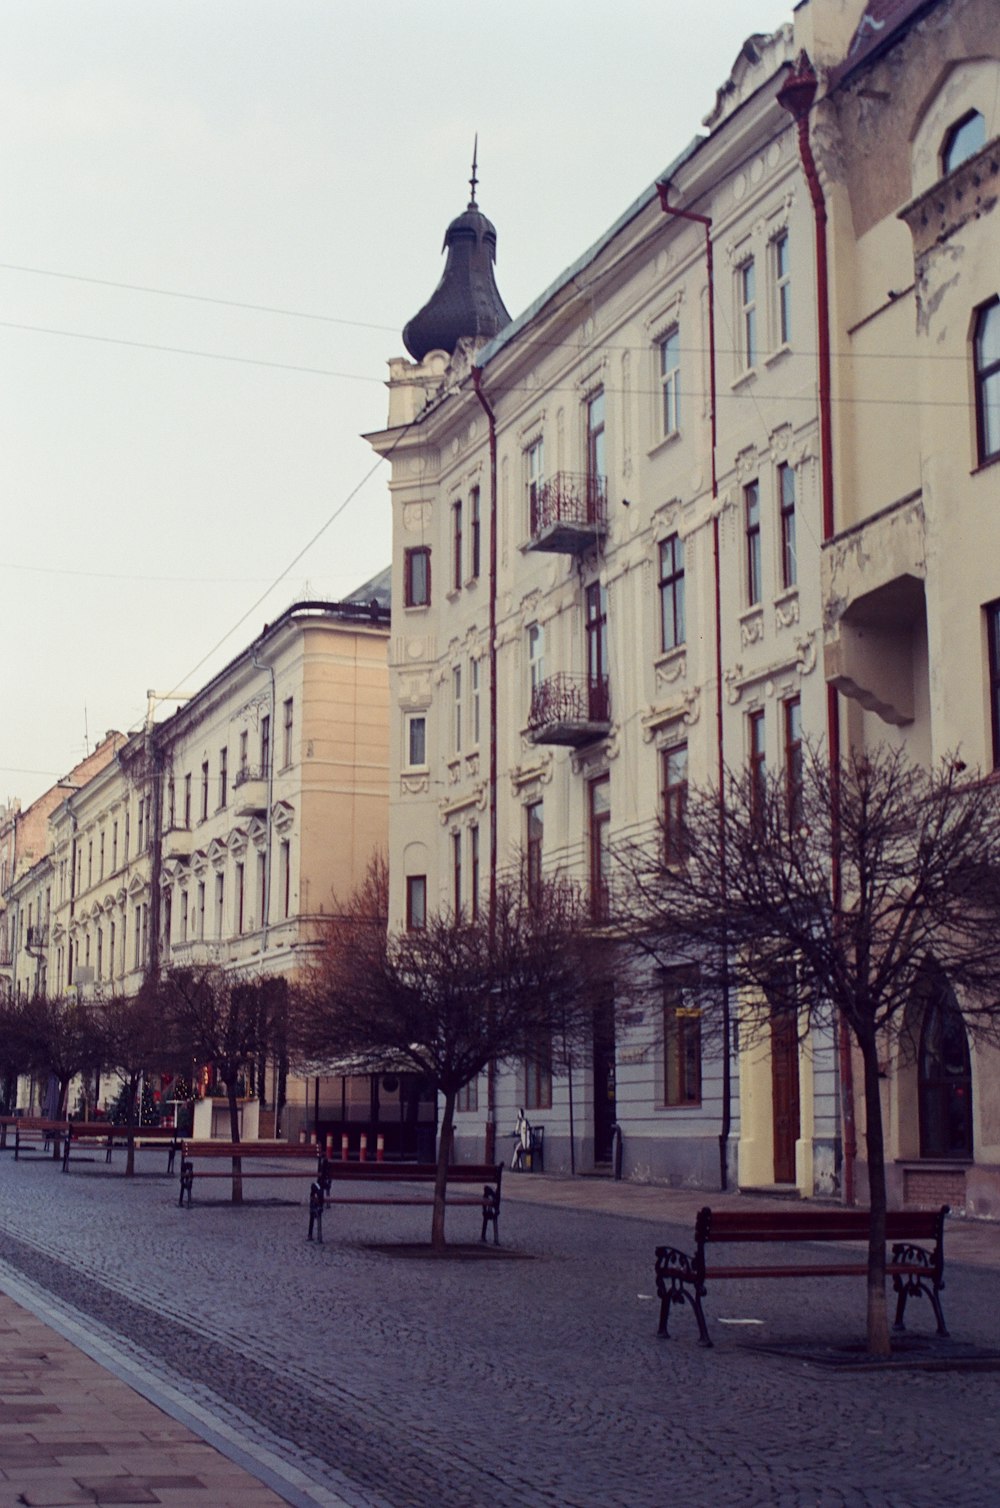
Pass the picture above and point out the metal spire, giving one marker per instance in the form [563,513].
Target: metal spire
[474,180]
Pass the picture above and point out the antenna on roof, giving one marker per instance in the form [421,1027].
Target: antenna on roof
[474,180]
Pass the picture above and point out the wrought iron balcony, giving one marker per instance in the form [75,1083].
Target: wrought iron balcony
[250,790]
[569,513]
[570,709]
[37,937]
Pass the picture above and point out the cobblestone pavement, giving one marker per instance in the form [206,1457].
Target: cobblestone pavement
[532,1379]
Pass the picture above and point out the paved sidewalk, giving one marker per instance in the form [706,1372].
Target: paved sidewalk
[71,1432]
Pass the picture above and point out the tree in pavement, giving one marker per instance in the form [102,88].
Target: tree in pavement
[447,998]
[838,896]
[135,1042]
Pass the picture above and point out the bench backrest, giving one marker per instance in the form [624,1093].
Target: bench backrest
[815,1225]
[246,1149]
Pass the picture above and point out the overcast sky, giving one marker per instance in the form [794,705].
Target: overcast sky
[165,459]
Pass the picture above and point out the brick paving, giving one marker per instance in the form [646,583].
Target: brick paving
[534,1379]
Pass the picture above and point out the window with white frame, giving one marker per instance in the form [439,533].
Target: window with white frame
[474,702]
[475,534]
[962,141]
[781,275]
[534,461]
[672,630]
[786,505]
[746,312]
[536,656]
[986,373]
[415,735]
[456,544]
[456,701]
[670,382]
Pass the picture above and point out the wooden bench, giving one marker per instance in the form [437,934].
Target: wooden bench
[7,1124]
[681,1277]
[107,1135]
[37,1133]
[407,1174]
[245,1151]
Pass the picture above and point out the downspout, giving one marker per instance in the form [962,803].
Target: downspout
[663,189]
[797,95]
[477,383]
[265,920]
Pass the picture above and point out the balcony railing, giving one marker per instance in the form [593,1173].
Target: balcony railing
[569,513]
[570,709]
[250,790]
[37,937]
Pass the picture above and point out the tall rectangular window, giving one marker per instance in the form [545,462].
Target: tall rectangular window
[240,898]
[671,592]
[538,1074]
[986,352]
[223,777]
[670,381]
[751,525]
[747,286]
[786,495]
[416,741]
[220,904]
[596,460]
[757,752]
[204,792]
[456,544]
[533,477]
[286,879]
[536,657]
[467,1098]
[417,577]
[675,785]
[100,856]
[201,909]
[474,709]
[263,899]
[171,803]
[993,639]
[187,800]
[599,792]
[456,706]
[416,902]
[287,711]
[596,604]
[474,872]
[244,753]
[782,289]
[475,534]
[456,873]
[114,847]
[534,833]
[265,747]
[681,1044]
[792,711]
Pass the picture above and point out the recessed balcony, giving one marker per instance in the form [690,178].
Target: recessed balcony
[569,513]
[250,792]
[570,709]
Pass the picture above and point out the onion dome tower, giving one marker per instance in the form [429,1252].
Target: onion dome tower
[466,302]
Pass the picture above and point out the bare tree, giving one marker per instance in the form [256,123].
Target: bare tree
[832,896]
[135,1041]
[228,1020]
[60,1038]
[447,998]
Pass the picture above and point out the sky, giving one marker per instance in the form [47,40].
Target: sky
[217,217]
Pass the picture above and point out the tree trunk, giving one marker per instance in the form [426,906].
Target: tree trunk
[132,1113]
[438,1242]
[878,1316]
[234,1136]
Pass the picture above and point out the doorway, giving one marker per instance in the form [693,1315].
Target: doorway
[604,1080]
[784,1094]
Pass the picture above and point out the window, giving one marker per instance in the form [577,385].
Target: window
[240,898]
[204,795]
[536,657]
[475,534]
[474,672]
[244,753]
[675,785]
[474,872]
[751,524]
[416,741]
[538,1075]
[534,832]
[944,1079]
[986,346]
[598,709]
[467,1097]
[265,747]
[184,916]
[671,592]
[963,141]
[128,823]
[600,846]
[993,641]
[456,544]
[417,577]
[792,710]
[114,847]
[112,935]
[286,879]
[782,274]
[533,475]
[758,765]
[670,381]
[220,904]
[681,1044]
[288,710]
[263,899]
[596,465]
[416,902]
[223,777]
[100,856]
[171,803]
[187,800]
[201,909]
[456,703]
[786,496]
[90,852]
[456,873]
[746,282]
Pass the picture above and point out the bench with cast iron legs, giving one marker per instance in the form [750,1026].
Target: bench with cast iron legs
[407,1175]
[104,1134]
[248,1152]
[681,1277]
[38,1133]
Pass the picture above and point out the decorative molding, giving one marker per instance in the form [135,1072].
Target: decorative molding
[282,816]
[415,785]
[539,769]
[752,628]
[476,798]
[786,611]
[671,667]
[685,709]
[417,517]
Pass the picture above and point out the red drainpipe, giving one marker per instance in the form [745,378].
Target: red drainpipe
[796,96]
[477,383]
[663,189]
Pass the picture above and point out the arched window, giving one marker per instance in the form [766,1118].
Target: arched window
[963,141]
[944,1079]
[986,371]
